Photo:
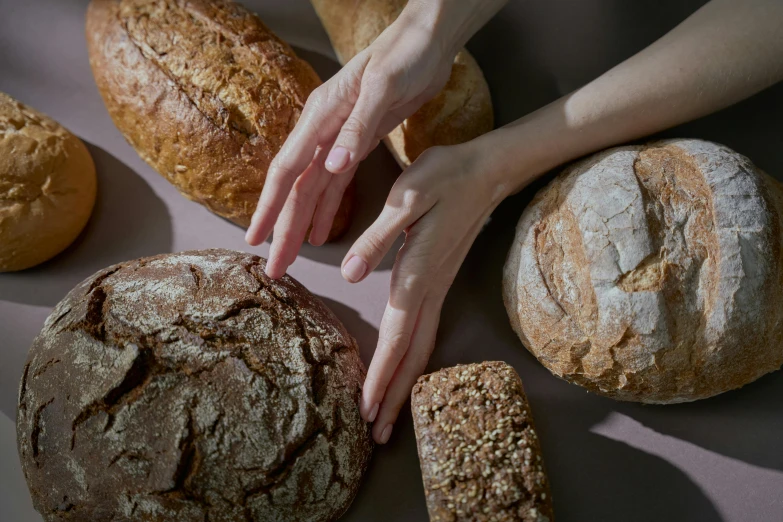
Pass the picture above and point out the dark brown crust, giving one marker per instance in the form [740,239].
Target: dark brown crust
[480,456]
[191,387]
[203,91]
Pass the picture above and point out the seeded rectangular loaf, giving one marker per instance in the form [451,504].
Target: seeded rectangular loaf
[204,92]
[480,456]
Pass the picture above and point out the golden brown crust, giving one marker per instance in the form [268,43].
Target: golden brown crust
[47,186]
[461,111]
[652,273]
[480,456]
[203,91]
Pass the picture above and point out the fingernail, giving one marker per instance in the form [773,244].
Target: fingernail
[373,413]
[251,229]
[337,159]
[386,434]
[354,269]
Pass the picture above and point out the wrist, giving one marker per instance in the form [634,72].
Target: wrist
[452,22]
[510,158]
[437,19]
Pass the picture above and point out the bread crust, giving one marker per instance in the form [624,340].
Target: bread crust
[204,92]
[47,186]
[460,112]
[652,273]
[191,387]
[480,456]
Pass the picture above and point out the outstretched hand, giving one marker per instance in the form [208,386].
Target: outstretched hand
[342,122]
[440,203]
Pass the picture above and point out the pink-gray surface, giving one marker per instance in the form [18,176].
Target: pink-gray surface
[715,460]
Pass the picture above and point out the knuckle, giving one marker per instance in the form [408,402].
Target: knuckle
[318,96]
[434,154]
[374,244]
[354,128]
[301,196]
[377,81]
[409,195]
[407,281]
[396,342]
[280,169]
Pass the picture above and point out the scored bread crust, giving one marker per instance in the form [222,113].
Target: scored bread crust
[204,92]
[652,273]
[192,387]
[460,112]
[47,186]
[478,449]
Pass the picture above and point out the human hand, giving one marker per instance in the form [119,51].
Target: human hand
[343,120]
[440,203]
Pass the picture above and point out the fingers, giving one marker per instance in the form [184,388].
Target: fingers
[408,290]
[296,216]
[403,208]
[411,367]
[320,121]
[387,402]
[360,132]
[328,205]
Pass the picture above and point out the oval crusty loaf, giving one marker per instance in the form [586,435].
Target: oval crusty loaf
[460,112]
[204,92]
[191,387]
[652,273]
[479,453]
[47,186]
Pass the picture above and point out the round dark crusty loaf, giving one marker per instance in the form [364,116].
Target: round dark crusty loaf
[479,453]
[652,273]
[204,92]
[190,387]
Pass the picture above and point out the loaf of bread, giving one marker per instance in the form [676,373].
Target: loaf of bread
[191,387]
[460,112]
[47,186]
[652,273]
[204,92]
[480,456]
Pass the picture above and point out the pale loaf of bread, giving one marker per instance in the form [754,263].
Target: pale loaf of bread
[652,273]
[461,111]
[47,186]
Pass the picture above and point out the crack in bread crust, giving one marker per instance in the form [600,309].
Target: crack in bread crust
[210,389]
[648,273]
[204,92]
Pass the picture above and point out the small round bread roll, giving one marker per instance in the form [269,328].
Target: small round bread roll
[652,273]
[47,186]
[190,387]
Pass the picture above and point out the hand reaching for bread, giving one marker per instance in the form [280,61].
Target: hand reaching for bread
[445,196]
[440,203]
[343,120]
[380,87]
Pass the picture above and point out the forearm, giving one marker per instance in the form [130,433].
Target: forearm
[723,53]
[452,22]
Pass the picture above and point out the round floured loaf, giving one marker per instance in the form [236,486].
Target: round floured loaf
[47,186]
[204,92]
[652,273]
[191,387]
